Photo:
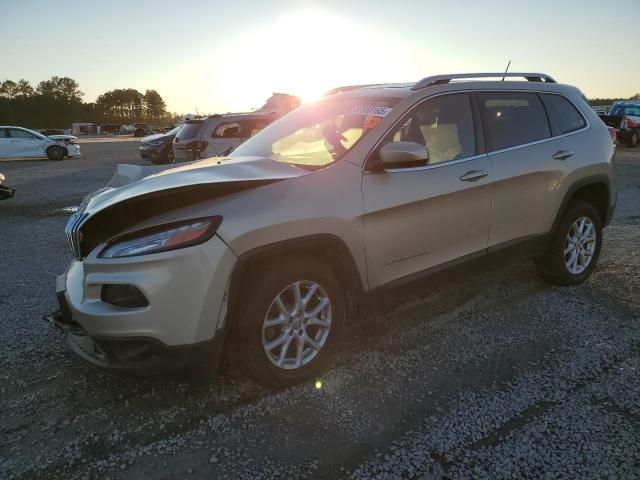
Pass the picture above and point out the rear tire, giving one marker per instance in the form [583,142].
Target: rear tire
[575,246]
[284,341]
[633,140]
[55,152]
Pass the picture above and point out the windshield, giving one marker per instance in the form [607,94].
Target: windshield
[189,130]
[621,110]
[318,134]
[174,131]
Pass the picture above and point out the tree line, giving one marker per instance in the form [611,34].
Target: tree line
[608,101]
[57,102]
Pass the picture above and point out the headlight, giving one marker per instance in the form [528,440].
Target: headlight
[162,238]
[155,143]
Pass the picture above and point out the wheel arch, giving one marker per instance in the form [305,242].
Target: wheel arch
[331,246]
[65,152]
[595,190]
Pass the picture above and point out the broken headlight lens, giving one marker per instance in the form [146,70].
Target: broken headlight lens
[162,238]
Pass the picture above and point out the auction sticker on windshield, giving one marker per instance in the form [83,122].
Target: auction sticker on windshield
[370,110]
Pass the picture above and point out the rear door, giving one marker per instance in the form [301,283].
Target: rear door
[527,177]
[420,217]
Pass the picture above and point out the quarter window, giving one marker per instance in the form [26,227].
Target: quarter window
[563,115]
[251,127]
[444,125]
[513,118]
[227,130]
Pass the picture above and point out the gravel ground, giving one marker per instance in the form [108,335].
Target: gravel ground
[483,371]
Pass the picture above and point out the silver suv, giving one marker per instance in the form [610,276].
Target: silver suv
[267,252]
[217,135]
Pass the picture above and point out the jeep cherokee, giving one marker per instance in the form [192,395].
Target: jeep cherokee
[267,251]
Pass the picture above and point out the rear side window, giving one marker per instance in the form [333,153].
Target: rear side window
[563,115]
[251,127]
[513,118]
[227,130]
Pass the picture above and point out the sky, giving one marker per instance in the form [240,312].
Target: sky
[222,56]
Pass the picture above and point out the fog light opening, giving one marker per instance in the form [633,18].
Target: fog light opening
[126,296]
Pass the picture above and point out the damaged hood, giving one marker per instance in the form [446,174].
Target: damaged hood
[130,181]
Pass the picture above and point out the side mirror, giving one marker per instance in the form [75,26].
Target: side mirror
[403,154]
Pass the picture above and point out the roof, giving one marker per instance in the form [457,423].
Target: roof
[403,89]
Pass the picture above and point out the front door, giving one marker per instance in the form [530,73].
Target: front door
[8,146]
[420,217]
[25,144]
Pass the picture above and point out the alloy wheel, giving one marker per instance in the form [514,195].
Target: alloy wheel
[297,324]
[580,245]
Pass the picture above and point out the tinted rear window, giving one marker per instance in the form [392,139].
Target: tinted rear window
[563,115]
[189,130]
[513,118]
[620,110]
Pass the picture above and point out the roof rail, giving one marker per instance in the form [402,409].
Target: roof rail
[348,88]
[443,79]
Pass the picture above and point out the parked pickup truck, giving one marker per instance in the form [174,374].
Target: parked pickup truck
[625,118]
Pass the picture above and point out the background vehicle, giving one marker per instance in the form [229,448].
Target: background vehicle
[185,145]
[273,247]
[218,135]
[5,192]
[625,118]
[141,129]
[158,148]
[18,142]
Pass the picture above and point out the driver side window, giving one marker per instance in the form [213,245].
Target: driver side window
[16,133]
[443,124]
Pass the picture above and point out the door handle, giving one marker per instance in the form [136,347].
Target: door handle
[562,154]
[473,176]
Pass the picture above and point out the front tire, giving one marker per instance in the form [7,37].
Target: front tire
[290,321]
[574,248]
[55,152]
[633,140]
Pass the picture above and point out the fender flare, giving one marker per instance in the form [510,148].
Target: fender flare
[355,287]
[578,184]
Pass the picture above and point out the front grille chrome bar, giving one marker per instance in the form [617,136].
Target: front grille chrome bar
[72,232]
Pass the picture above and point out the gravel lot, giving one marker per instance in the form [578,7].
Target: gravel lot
[479,372]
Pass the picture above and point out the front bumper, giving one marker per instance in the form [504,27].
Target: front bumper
[185,290]
[73,149]
[135,356]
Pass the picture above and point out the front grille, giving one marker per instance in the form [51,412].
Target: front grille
[72,231]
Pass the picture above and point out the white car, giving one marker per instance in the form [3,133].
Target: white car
[18,142]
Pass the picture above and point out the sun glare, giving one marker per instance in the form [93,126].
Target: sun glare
[305,53]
